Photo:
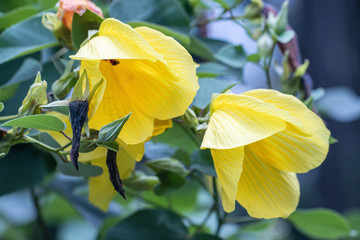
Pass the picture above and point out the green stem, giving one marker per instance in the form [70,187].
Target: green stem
[39,218]
[47,147]
[9,117]
[192,135]
[267,66]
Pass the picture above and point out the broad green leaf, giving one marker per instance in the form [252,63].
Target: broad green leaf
[56,209]
[47,4]
[182,155]
[169,13]
[41,122]
[181,37]
[211,69]
[8,92]
[61,106]
[233,56]
[28,70]
[141,182]
[200,49]
[169,182]
[205,237]
[320,223]
[111,131]
[23,167]
[6,6]
[24,38]
[202,161]
[159,224]
[17,15]
[1,106]
[171,174]
[167,164]
[208,86]
[82,24]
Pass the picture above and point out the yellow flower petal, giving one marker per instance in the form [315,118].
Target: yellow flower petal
[181,64]
[116,40]
[228,165]
[101,190]
[161,125]
[240,120]
[266,192]
[296,149]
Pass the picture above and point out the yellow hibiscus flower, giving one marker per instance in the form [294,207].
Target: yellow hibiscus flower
[145,72]
[259,140]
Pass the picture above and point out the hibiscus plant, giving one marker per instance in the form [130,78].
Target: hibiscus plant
[137,125]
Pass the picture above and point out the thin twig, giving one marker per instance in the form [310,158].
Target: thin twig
[39,217]
[63,133]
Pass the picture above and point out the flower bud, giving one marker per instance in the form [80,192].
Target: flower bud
[265,44]
[35,97]
[190,118]
[67,8]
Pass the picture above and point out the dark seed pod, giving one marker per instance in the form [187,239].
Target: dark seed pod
[114,173]
[78,114]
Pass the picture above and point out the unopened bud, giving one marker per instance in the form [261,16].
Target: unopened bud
[190,118]
[265,44]
[35,97]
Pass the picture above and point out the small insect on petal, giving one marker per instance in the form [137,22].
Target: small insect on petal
[114,62]
[78,114]
[114,173]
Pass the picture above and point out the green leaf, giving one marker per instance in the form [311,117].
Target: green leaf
[320,223]
[205,237]
[182,38]
[208,86]
[111,131]
[1,106]
[200,49]
[233,56]
[23,167]
[211,69]
[24,38]
[169,13]
[7,92]
[114,146]
[171,174]
[159,224]
[141,182]
[202,160]
[42,122]
[82,24]
[16,15]
[28,69]
[61,106]
[286,36]
[167,164]
[301,70]
[253,58]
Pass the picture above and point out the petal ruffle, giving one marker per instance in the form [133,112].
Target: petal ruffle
[161,125]
[101,190]
[266,192]
[298,148]
[240,120]
[228,165]
[116,40]
[175,94]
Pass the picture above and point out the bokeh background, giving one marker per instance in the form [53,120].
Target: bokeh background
[329,36]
